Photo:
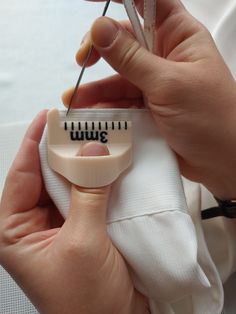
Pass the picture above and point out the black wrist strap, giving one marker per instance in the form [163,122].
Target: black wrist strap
[224,208]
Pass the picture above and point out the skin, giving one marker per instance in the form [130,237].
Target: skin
[72,266]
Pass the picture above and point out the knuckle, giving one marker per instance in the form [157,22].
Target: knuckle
[7,236]
[171,86]
[129,54]
[74,248]
[16,226]
[96,192]
[92,198]
[38,218]
[80,248]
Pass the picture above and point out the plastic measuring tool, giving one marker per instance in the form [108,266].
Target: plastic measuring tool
[66,133]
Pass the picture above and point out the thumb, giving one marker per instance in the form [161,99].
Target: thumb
[89,205]
[120,49]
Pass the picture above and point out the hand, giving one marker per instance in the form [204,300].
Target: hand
[191,92]
[63,267]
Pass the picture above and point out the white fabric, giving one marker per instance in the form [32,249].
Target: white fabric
[38,40]
[224,35]
[148,220]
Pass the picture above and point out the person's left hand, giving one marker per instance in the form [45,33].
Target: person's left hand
[63,267]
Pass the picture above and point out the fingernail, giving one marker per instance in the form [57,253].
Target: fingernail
[104,31]
[84,48]
[85,38]
[94,149]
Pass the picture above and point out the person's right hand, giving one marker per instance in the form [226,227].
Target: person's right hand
[191,92]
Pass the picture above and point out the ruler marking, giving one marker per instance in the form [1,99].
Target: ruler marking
[97,125]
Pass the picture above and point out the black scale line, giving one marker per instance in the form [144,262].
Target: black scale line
[106,125]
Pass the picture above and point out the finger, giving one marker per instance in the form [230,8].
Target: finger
[84,50]
[113,89]
[88,206]
[166,8]
[86,44]
[126,56]
[24,183]
[120,104]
